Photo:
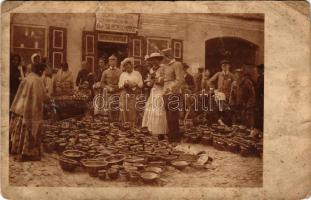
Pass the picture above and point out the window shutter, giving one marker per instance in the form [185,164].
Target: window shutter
[177,46]
[57,46]
[89,49]
[137,49]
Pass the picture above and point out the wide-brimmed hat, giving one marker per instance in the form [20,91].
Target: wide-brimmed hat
[155,55]
[224,62]
[168,52]
[113,57]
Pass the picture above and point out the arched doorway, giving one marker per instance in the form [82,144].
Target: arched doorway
[237,50]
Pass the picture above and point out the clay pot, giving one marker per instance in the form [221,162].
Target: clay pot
[113,173]
[68,164]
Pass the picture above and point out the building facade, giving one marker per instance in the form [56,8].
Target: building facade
[197,39]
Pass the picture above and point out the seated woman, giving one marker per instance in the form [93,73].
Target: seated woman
[130,83]
[63,81]
[27,116]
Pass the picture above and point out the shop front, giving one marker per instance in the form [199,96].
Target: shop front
[74,38]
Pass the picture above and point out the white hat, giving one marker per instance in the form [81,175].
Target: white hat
[112,57]
[127,60]
[155,55]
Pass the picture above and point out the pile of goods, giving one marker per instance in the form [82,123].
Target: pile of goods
[63,88]
[71,104]
[114,150]
[234,139]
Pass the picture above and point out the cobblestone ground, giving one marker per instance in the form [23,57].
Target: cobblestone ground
[226,170]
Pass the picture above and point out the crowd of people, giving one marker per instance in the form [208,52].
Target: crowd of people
[157,94]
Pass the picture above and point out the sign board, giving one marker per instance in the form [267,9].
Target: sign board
[117,22]
[114,38]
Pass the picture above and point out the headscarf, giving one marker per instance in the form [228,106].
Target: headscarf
[33,57]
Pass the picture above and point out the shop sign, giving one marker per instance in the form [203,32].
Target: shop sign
[112,22]
[114,38]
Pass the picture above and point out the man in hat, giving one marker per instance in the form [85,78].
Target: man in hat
[173,79]
[109,81]
[224,80]
[243,94]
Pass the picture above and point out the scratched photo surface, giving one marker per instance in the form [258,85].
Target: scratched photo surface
[155,100]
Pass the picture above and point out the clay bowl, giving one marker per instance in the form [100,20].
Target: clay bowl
[61,147]
[74,154]
[157,163]
[169,158]
[149,177]
[157,170]
[139,166]
[198,166]
[49,146]
[133,176]
[207,140]
[188,157]
[103,156]
[113,173]
[130,168]
[115,159]
[68,164]
[92,166]
[233,147]
[180,164]
[245,150]
[102,174]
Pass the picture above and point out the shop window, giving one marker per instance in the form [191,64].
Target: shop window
[27,40]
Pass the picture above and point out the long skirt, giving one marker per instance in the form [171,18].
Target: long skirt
[128,111]
[155,115]
[22,141]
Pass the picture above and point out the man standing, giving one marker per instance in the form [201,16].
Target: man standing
[109,82]
[101,68]
[198,79]
[173,79]
[224,80]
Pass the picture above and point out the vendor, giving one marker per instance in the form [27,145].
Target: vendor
[63,81]
[109,82]
[83,73]
[130,84]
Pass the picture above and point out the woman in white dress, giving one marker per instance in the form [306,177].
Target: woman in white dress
[155,116]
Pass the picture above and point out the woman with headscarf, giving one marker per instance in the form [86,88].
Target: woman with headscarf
[130,83]
[27,116]
[35,59]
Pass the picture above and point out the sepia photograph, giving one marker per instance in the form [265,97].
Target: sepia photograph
[136,99]
[155,100]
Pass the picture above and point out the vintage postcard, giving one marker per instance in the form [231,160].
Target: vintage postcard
[155,100]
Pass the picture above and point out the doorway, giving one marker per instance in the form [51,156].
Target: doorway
[237,50]
[106,49]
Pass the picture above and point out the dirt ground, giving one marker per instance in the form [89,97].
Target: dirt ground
[227,170]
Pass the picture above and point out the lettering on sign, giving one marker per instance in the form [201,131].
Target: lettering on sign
[124,23]
[102,37]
